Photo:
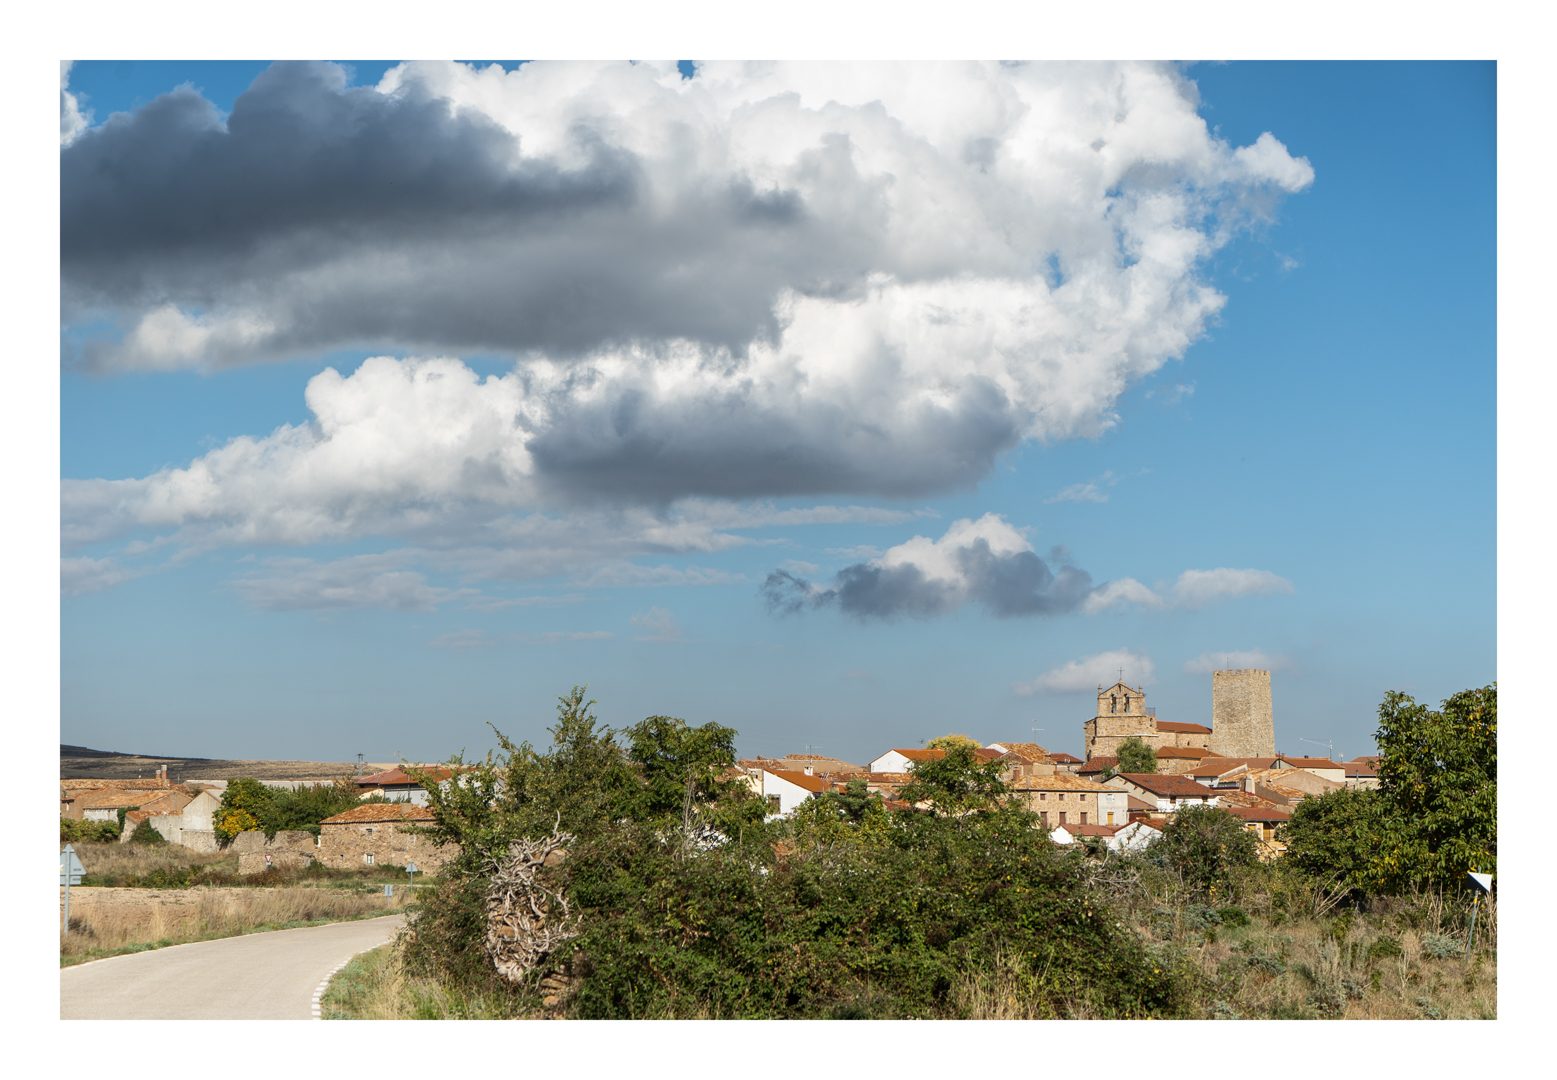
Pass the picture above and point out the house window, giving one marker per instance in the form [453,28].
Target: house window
[1043,796]
[1110,817]
[1113,703]
[1062,817]
[1044,814]
[1083,817]
[773,804]
[1127,703]
[368,858]
[369,830]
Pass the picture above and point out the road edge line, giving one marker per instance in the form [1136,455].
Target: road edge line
[317,1004]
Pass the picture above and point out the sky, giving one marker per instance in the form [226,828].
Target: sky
[847,405]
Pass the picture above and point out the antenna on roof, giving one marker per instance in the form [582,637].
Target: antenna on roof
[1328,745]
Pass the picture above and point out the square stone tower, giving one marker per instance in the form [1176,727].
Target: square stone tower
[1241,720]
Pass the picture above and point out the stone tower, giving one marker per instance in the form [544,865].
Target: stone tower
[1241,720]
[1121,713]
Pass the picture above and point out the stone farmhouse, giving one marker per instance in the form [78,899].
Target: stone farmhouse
[1062,799]
[374,834]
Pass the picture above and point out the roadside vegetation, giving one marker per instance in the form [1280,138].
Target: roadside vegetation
[111,926]
[111,864]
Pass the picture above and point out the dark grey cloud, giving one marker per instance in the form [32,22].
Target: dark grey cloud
[1007,584]
[339,215]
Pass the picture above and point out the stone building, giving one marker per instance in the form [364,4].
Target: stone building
[1063,799]
[1121,714]
[378,833]
[1241,721]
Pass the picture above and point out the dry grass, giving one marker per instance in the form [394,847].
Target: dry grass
[116,860]
[375,986]
[106,922]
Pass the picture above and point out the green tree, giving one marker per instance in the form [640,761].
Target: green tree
[246,804]
[1438,779]
[1334,833]
[682,766]
[1135,756]
[946,742]
[1206,845]
[957,783]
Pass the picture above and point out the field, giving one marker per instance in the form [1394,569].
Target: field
[80,763]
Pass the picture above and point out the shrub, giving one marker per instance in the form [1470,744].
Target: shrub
[145,834]
[1206,846]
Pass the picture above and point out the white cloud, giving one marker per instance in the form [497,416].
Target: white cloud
[1196,588]
[656,625]
[1120,593]
[1087,492]
[1207,662]
[633,574]
[81,576]
[988,561]
[799,566]
[73,120]
[359,581]
[1086,674]
[772,280]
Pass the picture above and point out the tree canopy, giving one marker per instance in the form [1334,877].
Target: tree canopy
[956,783]
[1136,756]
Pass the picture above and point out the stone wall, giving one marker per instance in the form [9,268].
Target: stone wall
[289,848]
[352,844]
[1241,721]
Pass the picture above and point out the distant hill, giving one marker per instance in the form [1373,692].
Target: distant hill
[82,763]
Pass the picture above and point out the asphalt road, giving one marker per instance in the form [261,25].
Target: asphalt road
[270,976]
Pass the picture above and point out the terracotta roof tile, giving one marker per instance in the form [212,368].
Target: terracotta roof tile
[800,779]
[1182,728]
[1169,786]
[1059,782]
[1061,758]
[371,812]
[400,776]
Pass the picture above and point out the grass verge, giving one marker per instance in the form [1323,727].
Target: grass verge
[375,986]
[98,931]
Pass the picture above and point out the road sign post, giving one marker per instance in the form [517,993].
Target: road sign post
[70,871]
[1484,883]
[410,869]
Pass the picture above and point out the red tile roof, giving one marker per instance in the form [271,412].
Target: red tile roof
[1259,813]
[800,779]
[115,798]
[1098,764]
[1169,786]
[1360,770]
[1090,830]
[368,813]
[1216,766]
[1182,728]
[400,776]
[1311,762]
[1060,758]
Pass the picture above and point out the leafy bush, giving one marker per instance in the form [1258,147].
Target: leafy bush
[1442,946]
[145,834]
[737,932]
[1206,846]
[77,832]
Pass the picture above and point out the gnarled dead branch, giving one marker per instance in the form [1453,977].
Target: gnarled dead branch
[525,919]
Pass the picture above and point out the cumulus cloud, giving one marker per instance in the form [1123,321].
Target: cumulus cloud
[1197,588]
[770,280]
[1119,594]
[1086,674]
[360,581]
[73,119]
[987,562]
[1207,662]
[656,624]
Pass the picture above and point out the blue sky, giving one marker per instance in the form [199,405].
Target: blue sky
[1328,431]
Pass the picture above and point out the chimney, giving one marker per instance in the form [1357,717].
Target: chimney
[809,772]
